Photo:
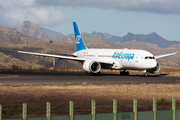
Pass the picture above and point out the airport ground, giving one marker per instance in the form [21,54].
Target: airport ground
[123,88]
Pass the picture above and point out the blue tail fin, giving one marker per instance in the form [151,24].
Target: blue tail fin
[79,41]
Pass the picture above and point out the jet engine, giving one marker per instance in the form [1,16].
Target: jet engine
[91,66]
[155,70]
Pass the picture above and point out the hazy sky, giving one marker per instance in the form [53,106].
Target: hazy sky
[117,17]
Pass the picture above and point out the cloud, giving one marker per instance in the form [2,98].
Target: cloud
[24,2]
[155,6]
[14,12]
[49,12]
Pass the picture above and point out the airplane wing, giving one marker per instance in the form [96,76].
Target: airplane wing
[55,56]
[62,57]
[165,55]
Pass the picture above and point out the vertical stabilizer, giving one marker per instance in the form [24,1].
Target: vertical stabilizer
[79,41]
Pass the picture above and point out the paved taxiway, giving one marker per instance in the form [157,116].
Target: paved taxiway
[38,78]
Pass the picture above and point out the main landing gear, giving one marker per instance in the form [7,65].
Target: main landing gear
[145,73]
[124,72]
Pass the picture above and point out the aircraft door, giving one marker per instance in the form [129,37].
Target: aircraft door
[81,54]
[139,60]
[96,55]
[137,57]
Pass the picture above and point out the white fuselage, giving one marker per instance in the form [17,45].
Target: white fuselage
[122,58]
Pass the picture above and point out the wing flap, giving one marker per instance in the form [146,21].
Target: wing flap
[64,54]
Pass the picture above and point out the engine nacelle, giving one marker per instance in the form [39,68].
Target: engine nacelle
[91,66]
[155,70]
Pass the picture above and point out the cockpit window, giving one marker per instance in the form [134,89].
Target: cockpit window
[149,57]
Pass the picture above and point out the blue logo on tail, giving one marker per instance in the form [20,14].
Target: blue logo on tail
[78,37]
[79,41]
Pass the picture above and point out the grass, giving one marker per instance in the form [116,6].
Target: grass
[163,101]
[58,107]
[122,105]
[36,96]
[84,83]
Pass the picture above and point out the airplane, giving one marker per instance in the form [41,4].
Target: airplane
[93,60]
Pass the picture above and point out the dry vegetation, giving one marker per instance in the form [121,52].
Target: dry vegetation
[36,96]
[61,47]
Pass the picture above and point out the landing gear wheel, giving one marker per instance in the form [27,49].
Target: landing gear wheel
[124,73]
[145,73]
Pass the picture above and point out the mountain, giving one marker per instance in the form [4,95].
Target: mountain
[14,28]
[107,36]
[85,36]
[33,30]
[52,33]
[12,39]
[91,37]
[153,38]
[59,38]
[101,43]
[11,36]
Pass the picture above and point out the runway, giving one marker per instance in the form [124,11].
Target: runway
[60,78]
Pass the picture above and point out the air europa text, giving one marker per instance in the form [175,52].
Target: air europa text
[121,55]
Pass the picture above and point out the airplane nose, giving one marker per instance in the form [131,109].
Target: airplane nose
[153,64]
